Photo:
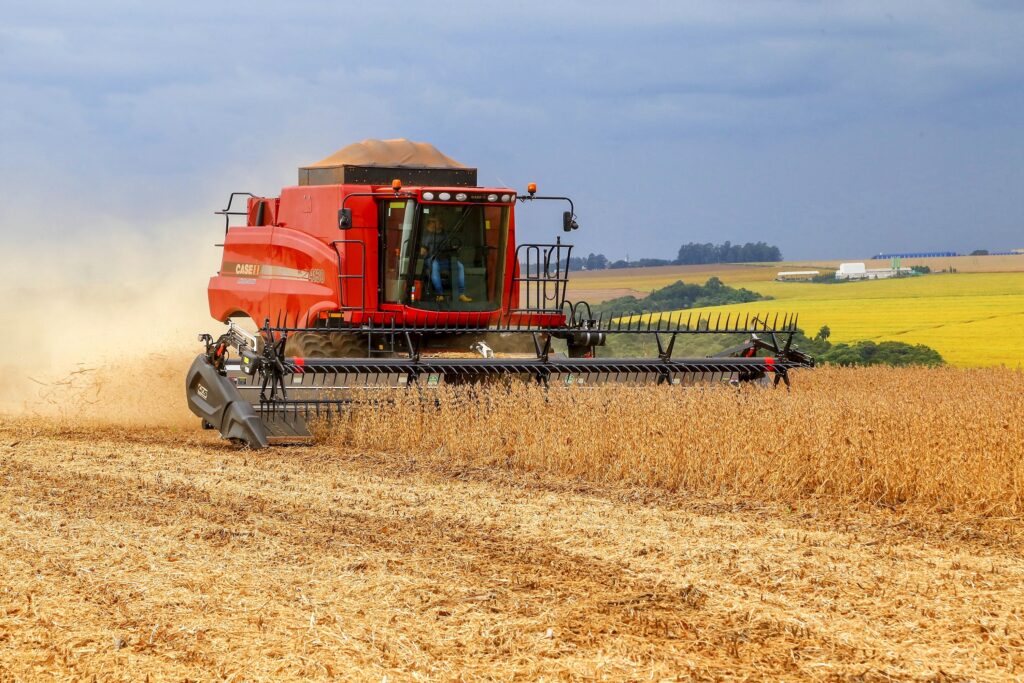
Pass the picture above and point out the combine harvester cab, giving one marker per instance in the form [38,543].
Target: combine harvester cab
[387,267]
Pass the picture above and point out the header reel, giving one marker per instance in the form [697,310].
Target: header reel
[263,396]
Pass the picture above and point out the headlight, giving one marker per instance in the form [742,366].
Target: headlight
[460,197]
[504,197]
[444,196]
[428,196]
[492,197]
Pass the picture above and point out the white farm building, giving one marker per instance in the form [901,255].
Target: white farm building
[857,271]
[796,275]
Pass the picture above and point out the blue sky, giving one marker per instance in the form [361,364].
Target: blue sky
[833,129]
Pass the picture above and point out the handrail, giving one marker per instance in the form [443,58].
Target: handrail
[227,212]
[361,276]
[545,289]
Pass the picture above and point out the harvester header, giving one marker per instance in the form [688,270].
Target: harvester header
[387,267]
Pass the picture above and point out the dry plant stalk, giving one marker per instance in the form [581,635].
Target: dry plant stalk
[948,439]
[130,552]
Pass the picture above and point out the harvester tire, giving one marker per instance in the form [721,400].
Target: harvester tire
[326,345]
[509,342]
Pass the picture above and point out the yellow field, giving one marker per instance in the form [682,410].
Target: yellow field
[972,319]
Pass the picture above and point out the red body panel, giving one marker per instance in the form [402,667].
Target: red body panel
[236,290]
[297,264]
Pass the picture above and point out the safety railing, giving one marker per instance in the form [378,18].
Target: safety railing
[542,277]
[228,213]
[343,277]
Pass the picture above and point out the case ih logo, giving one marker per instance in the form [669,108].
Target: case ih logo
[202,391]
[259,270]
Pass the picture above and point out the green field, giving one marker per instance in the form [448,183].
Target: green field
[972,319]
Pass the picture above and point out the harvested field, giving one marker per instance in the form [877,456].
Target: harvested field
[824,534]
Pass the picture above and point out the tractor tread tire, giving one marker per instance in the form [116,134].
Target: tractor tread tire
[326,345]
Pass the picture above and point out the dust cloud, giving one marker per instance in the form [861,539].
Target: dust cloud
[103,327]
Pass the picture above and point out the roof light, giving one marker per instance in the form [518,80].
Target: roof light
[531,188]
[444,196]
[504,197]
[396,185]
[428,196]
[460,197]
[492,197]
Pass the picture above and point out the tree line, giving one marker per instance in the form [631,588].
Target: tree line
[680,296]
[692,253]
[866,352]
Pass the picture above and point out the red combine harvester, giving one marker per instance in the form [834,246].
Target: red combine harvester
[388,267]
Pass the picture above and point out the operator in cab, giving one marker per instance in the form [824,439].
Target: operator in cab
[440,254]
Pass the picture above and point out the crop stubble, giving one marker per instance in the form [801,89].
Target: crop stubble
[864,524]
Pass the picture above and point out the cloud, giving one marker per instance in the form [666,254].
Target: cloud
[133,112]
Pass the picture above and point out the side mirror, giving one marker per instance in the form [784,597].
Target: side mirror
[569,221]
[344,219]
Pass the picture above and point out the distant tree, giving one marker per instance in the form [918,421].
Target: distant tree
[884,353]
[688,254]
[596,262]
[921,270]
[824,333]
[727,252]
[866,352]
[979,252]
[649,262]
[679,296]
